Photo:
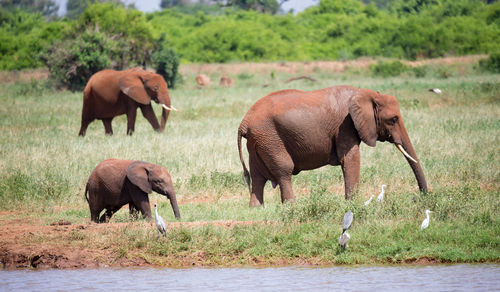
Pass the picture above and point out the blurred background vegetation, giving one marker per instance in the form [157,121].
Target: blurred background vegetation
[94,35]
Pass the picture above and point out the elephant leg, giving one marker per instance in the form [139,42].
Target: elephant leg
[83,128]
[286,190]
[280,166]
[350,168]
[133,212]
[107,126]
[257,178]
[149,114]
[106,216]
[141,202]
[131,116]
[257,194]
[94,215]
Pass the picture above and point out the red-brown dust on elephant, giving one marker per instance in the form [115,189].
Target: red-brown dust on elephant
[289,131]
[111,93]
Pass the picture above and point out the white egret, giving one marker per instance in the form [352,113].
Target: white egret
[344,240]
[425,223]
[344,237]
[369,200]
[380,196]
[160,224]
[436,90]
[347,221]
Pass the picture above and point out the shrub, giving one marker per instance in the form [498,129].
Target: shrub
[420,71]
[72,62]
[492,64]
[387,69]
[166,63]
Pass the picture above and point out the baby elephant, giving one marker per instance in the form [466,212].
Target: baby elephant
[115,182]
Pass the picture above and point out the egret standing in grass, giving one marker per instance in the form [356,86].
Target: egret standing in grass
[380,196]
[436,90]
[369,200]
[344,237]
[160,224]
[425,223]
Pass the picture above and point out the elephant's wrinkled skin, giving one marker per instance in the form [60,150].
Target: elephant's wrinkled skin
[111,93]
[115,182]
[290,130]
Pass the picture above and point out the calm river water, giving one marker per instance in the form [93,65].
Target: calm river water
[477,277]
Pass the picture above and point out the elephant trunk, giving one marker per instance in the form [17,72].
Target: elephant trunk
[414,163]
[175,207]
[164,101]
[164,117]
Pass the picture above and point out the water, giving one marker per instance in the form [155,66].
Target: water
[479,277]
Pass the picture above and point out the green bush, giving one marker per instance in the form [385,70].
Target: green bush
[420,71]
[492,64]
[333,29]
[72,62]
[388,69]
[166,63]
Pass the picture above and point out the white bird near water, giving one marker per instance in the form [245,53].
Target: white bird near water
[344,237]
[344,240]
[425,223]
[436,90]
[380,196]
[369,200]
[160,224]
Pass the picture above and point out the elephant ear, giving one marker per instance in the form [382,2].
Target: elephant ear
[137,173]
[132,85]
[361,109]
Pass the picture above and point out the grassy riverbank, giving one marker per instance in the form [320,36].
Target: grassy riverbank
[44,167]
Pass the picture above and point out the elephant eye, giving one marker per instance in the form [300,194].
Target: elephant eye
[393,120]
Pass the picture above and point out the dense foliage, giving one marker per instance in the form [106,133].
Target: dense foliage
[334,29]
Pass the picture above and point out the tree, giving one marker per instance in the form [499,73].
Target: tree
[71,62]
[265,6]
[47,8]
[76,7]
[405,7]
[171,3]
[166,62]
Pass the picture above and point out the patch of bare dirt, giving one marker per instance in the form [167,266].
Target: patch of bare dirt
[29,243]
[423,261]
[313,66]
[26,75]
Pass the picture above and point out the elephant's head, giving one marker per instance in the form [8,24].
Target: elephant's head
[151,177]
[377,117]
[144,86]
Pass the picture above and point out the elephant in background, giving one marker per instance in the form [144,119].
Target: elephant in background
[111,93]
[289,131]
[115,182]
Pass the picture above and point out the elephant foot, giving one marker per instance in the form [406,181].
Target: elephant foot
[255,203]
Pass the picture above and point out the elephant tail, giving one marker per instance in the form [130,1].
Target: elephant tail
[86,192]
[242,131]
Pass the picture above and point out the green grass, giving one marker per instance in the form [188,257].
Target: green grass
[44,166]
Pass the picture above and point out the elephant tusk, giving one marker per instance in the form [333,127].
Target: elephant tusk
[400,148]
[172,108]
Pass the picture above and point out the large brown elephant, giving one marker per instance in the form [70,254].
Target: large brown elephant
[291,130]
[110,93]
[115,182]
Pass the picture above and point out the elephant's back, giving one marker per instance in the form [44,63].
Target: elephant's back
[109,174]
[279,102]
[105,80]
